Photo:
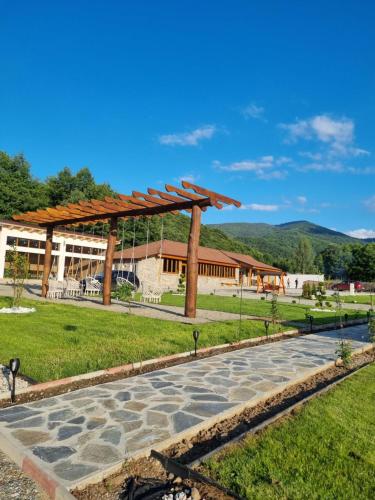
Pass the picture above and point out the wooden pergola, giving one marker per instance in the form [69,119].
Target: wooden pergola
[138,204]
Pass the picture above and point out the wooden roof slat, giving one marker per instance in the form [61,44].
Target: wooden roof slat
[154,202]
[206,192]
[167,196]
[191,196]
[124,204]
[79,212]
[153,199]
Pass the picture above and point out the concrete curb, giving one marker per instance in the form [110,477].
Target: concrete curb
[132,366]
[206,424]
[172,357]
[48,482]
[55,488]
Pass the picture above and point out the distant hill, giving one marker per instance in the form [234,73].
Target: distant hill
[279,241]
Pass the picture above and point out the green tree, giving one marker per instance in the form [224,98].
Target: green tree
[362,266]
[304,257]
[65,187]
[19,191]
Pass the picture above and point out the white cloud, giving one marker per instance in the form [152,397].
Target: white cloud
[336,134]
[189,178]
[253,111]
[302,200]
[370,203]
[310,155]
[189,138]
[361,233]
[258,207]
[265,167]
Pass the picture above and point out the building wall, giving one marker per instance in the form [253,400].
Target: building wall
[150,271]
[59,255]
[301,279]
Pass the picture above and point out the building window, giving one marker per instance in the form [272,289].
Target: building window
[171,266]
[29,243]
[216,271]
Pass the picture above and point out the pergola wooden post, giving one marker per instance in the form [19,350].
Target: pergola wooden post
[111,246]
[192,263]
[154,202]
[47,260]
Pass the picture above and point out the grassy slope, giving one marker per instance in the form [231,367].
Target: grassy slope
[325,451]
[354,299]
[61,340]
[281,241]
[288,312]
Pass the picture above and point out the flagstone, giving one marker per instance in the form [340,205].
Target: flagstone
[108,423]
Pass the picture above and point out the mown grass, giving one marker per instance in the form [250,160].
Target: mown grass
[62,340]
[326,451]
[288,312]
[354,299]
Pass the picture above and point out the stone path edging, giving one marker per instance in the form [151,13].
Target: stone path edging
[45,479]
[206,424]
[172,357]
[213,389]
[133,366]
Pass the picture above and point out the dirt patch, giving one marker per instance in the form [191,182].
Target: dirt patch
[189,450]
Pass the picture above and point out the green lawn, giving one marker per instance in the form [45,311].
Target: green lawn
[355,299]
[288,312]
[62,340]
[326,451]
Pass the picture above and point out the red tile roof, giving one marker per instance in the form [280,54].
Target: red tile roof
[176,249]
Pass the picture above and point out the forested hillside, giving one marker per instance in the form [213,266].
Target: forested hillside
[20,191]
[295,246]
[280,241]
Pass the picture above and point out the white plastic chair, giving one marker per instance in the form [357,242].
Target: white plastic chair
[55,289]
[72,287]
[151,294]
[93,286]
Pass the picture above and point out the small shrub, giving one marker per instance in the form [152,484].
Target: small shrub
[344,352]
[306,290]
[123,292]
[317,304]
[181,288]
[275,312]
[294,301]
[371,330]
[18,268]
[263,298]
[234,295]
[328,304]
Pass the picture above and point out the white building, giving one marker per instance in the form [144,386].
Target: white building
[74,253]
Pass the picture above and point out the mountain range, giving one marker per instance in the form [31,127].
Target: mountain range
[280,241]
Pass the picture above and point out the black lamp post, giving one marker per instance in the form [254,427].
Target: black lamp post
[196,334]
[311,319]
[14,366]
[266,326]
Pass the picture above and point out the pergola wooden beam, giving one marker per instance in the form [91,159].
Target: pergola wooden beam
[211,194]
[138,204]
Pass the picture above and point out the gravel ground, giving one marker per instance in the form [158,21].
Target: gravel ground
[15,485]
[6,380]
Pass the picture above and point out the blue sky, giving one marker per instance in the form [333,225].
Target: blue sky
[269,102]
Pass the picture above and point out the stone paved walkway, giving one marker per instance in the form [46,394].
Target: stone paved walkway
[88,431]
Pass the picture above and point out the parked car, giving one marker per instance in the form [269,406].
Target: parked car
[344,286]
[128,275]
